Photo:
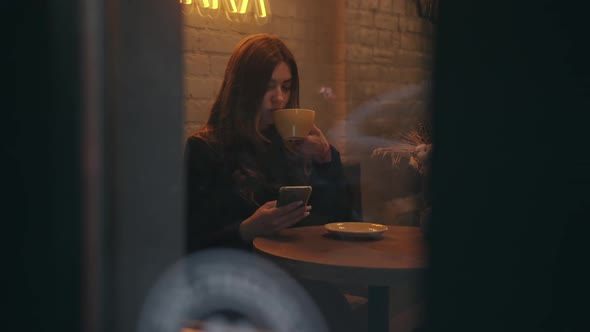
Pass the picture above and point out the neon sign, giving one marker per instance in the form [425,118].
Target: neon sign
[238,11]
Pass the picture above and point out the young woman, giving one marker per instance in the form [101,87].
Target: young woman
[237,163]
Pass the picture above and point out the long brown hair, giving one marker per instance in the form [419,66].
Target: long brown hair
[233,124]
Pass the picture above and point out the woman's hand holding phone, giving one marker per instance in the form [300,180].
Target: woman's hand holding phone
[269,218]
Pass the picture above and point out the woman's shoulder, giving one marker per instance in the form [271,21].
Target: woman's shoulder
[202,141]
[203,146]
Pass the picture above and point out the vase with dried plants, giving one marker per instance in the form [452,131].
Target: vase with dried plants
[414,146]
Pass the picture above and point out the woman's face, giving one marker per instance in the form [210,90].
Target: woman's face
[277,94]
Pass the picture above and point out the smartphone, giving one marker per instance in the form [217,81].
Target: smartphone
[290,194]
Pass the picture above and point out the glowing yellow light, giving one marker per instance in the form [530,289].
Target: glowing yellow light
[214,4]
[244,7]
[237,11]
[262,8]
[234,8]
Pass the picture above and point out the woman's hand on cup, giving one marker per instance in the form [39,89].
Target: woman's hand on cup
[316,146]
[269,218]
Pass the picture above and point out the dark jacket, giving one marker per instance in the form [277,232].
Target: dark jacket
[215,208]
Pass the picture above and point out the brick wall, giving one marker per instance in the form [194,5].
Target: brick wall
[388,50]
[375,56]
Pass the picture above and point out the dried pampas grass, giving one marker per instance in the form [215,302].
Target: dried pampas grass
[415,146]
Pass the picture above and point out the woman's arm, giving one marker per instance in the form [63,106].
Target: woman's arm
[330,197]
[212,209]
[216,215]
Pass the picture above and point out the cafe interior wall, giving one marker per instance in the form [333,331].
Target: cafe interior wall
[364,66]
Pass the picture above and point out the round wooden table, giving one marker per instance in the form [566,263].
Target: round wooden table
[312,253]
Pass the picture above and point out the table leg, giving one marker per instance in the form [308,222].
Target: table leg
[378,315]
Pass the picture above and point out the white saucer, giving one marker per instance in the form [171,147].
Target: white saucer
[356,229]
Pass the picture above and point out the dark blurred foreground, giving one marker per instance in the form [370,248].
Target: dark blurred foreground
[510,168]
